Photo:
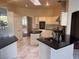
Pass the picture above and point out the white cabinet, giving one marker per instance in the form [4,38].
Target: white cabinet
[34,38]
[44,51]
[47,52]
[63,19]
[9,52]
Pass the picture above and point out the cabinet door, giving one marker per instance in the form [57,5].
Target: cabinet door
[63,19]
[44,51]
[9,52]
[34,38]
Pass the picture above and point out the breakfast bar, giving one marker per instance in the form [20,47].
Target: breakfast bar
[49,48]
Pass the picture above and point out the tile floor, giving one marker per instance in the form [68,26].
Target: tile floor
[26,51]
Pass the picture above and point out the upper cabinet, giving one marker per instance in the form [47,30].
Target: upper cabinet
[64,12]
[47,20]
[63,19]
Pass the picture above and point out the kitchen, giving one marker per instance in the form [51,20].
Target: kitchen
[41,24]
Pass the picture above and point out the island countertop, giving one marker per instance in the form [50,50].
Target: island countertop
[5,41]
[36,32]
[57,45]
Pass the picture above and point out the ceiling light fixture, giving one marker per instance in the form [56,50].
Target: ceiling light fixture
[47,4]
[26,5]
[36,2]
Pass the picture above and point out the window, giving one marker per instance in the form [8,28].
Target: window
[24,20]
[3,17]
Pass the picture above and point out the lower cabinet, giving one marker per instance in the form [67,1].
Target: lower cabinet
[46,52]
[34,38]
[9,52]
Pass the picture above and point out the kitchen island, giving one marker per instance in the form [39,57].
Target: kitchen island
[49,48]
[8,47]
[34,36]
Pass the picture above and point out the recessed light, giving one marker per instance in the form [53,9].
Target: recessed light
[26,5]
[47,4]
[36,2]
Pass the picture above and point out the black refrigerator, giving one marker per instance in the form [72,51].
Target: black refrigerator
[75,28]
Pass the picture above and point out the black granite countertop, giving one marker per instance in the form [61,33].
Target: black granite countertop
[5,41]
[36,32]
[57,45]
